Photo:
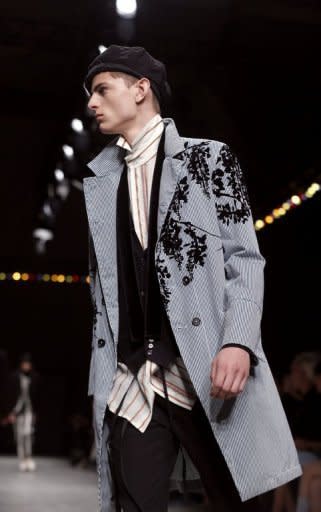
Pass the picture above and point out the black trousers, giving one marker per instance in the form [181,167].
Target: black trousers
[143,462]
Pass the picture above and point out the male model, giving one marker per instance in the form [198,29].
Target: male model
[177,285]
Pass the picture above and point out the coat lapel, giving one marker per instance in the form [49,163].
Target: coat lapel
[172,168]
[101,196]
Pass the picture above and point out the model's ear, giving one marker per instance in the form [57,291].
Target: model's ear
[142,88]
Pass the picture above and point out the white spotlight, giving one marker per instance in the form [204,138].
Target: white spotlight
[101,48]
[43,234]
[126,8]
[68,151]
[77,125]
[59,175]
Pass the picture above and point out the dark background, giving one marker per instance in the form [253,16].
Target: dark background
[244,72]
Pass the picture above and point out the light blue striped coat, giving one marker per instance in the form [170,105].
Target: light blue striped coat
[210,273]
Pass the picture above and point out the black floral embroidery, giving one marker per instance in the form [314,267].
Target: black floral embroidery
[196,160]
[163,274]
[193,251]
[180,195]
[172,242]
[196,252]
[227,181]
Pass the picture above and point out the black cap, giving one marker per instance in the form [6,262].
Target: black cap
[135,61]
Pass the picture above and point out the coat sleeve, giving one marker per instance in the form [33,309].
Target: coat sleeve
[243,263]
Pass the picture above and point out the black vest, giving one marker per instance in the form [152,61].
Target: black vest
[144,328]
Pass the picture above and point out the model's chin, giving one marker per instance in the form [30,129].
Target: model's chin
[105,128]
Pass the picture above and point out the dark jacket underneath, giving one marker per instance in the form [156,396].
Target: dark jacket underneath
[144,328]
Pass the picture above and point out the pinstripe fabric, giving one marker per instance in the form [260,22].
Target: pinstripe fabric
[203,196]
[137,406]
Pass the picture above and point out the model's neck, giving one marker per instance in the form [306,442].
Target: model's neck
[132,132]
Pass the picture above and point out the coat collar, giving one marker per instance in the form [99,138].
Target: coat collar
[111,158]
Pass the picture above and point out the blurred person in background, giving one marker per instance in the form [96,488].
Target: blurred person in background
[301,404]
[24,394]
[309,495]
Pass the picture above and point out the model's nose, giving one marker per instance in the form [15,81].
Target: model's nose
[92,104]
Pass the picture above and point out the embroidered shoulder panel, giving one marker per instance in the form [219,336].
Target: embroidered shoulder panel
[196,160]
[228,182]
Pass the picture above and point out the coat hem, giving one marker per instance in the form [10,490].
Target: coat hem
[275,481]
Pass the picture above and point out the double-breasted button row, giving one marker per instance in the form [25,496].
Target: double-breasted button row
[196,321]
[101,343]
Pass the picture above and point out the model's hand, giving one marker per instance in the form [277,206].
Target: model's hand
[229,373]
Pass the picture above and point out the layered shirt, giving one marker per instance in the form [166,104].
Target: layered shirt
[132,397]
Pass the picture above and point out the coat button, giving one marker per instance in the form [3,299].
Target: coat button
[196,321]
[149,352]
[101,343]
[186,280]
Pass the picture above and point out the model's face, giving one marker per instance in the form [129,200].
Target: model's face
[25,366]
[114,103]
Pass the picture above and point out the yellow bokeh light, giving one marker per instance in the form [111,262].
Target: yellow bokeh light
[259,224]
[16,276]
[25,276]
[269,219]
[54,278]
[315,186]
[46,277]
[2,276]
[296,200]
[286,206]
[61,278]
[69,279]
[282,211]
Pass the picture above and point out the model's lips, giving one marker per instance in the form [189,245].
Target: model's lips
[99,116]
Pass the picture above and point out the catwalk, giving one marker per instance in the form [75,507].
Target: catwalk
[54,487]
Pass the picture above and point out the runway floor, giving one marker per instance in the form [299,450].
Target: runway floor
[56,486]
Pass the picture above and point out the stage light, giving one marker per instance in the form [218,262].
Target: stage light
[68,151]
[59,175]
[126,8]
[63,189]
[286,206]
[43,234]
[77,125]
[259,224]
[101,48]
[296,200]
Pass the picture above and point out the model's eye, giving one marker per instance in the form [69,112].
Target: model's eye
[102,90]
